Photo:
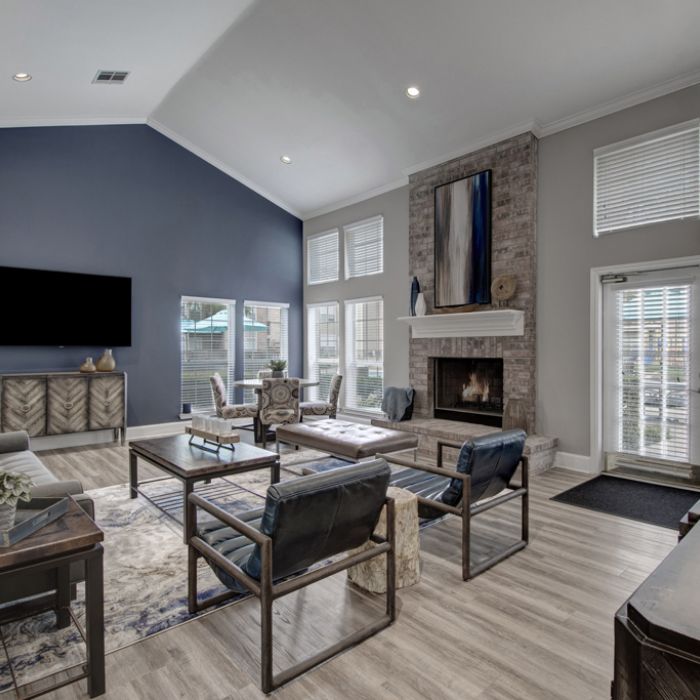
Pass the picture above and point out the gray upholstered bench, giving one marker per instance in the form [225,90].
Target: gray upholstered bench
[353,441]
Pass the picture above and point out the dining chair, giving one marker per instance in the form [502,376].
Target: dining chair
[278,404]
[324,408]
[225,409]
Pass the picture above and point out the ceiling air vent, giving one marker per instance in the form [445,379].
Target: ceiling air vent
[110,77]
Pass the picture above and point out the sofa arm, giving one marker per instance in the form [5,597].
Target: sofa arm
[56,489]
[14,442]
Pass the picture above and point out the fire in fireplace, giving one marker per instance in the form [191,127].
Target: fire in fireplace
[468,389]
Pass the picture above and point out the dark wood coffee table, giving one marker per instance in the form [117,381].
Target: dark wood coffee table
[72,538]
[175,456]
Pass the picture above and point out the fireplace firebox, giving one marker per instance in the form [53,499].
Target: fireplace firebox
[468,389]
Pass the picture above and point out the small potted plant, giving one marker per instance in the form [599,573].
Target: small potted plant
[13,488]
[278,367]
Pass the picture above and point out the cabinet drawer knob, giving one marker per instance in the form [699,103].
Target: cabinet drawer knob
[68,405]
[107,404]
[25,408]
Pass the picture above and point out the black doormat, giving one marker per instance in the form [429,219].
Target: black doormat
[636,500]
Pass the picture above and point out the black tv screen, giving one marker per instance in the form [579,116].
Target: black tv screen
[41,307]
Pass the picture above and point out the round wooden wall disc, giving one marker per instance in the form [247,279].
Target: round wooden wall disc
[503,287]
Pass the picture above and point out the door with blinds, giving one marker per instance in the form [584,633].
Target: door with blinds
[651,372]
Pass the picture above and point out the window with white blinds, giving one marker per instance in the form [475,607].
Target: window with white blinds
[207,345]
[653,372]
[323,257]
[323,347]
[364,247]
[648,179]
[265,338]
[364,354]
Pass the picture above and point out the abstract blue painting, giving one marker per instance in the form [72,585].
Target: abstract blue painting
[463,241]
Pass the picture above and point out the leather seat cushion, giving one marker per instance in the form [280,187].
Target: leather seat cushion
[29,464]
[353,440]
[235,547]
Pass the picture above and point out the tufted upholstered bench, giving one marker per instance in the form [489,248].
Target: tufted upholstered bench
[353,441]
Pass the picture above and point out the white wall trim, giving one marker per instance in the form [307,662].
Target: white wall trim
[20,122]
[574,462]
[139,432]
[618,104]
[219,165]
[596,337]
[355,199]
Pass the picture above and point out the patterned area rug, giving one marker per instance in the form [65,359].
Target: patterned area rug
[145,576]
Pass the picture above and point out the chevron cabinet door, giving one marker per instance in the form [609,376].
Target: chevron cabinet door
[24,405]
[68,405]
[106,402]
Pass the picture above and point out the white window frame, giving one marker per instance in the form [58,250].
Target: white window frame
[309,241]
[228,380]
[654,137]
[284,352]
[347,256]
[313,393]
[347,349]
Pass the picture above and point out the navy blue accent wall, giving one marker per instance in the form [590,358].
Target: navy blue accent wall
[125,200]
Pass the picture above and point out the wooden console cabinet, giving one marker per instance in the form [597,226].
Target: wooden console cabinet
[58,403]
[657,631]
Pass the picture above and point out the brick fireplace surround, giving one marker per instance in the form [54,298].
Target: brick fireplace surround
[513,163]
[513,230]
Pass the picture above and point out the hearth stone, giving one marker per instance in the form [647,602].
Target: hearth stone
[538,448]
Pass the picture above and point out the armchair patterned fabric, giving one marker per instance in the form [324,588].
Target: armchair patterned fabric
[279,401]
[325,408]
[224,409]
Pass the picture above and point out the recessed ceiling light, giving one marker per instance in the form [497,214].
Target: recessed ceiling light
[413,92]
[21,77]
[287,160]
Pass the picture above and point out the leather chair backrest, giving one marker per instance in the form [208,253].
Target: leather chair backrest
[315,517]
[491,460]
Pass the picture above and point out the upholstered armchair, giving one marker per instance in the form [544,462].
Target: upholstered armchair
[481,481]
[278,403]
[227,410]
[324,408]
[272,552]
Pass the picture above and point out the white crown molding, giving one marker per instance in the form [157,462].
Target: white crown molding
[20,122]
[363,196]
[617,105]
[472,146]
[219,165]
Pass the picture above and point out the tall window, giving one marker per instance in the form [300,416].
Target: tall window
[265,336]
[648,179]
[322,342]
[364,353]
[364,247]
[207,342]
[322,257]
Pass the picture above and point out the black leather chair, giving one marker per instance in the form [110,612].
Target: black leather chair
[485,468]
[269,551]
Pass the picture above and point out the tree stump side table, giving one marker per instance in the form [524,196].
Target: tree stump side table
[371,575]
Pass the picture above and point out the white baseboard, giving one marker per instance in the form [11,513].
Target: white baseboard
[574,462]
[139,432]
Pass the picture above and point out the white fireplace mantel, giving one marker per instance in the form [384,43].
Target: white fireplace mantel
[471,324]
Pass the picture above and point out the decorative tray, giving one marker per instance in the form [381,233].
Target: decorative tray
[32,516]
[227,441]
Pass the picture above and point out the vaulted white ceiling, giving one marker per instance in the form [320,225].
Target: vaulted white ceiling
[323,80]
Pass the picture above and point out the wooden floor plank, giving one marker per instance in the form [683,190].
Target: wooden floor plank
[537,626]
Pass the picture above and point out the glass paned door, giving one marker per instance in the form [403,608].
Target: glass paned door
[650,369]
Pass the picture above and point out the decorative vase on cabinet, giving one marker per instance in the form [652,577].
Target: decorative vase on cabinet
[88,366]
[106,363]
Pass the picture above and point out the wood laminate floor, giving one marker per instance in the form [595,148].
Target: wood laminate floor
[537,627]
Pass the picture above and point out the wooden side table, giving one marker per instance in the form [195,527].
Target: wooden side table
[73,538]
[371,574]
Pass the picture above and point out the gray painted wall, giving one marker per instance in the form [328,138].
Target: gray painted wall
[567,251]
[393,285]
[125,200]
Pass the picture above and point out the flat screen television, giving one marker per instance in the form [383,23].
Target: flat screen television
[42,307]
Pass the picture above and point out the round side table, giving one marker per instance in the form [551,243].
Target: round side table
[371,575]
